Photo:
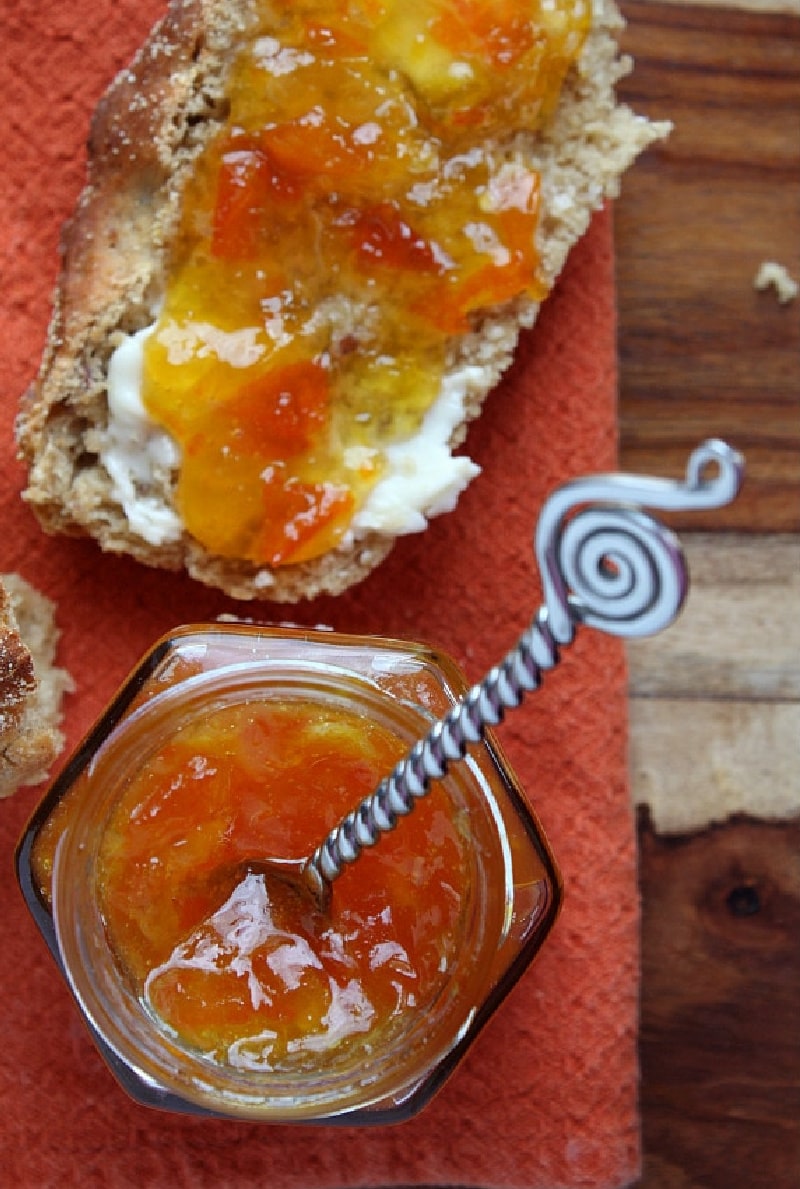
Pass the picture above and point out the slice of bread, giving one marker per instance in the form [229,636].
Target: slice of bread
[31,685]
[146,136]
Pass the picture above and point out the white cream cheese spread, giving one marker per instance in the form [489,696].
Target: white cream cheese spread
[421,478]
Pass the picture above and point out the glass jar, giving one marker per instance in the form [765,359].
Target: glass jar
[469,872]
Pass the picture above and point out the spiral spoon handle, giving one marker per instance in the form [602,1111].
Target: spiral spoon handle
[605,563]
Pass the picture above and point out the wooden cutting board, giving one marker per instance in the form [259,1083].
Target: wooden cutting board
[715,705]
[704,353]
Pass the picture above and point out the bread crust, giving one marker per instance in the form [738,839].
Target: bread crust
[146,133]
[31,687]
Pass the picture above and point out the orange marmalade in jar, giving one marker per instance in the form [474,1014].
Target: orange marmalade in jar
[211,987]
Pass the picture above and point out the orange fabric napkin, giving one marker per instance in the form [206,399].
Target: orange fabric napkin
[547,1095]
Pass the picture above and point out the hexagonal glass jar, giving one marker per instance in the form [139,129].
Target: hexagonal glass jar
[510,893]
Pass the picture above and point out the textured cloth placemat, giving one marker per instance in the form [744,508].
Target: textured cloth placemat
[547,1096]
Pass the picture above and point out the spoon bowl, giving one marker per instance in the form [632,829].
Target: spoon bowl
[289,882]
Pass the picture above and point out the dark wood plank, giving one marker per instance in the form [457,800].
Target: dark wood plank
[701,351]
[720,1030]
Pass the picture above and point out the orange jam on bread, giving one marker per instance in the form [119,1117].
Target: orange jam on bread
[363,204]
[232,963]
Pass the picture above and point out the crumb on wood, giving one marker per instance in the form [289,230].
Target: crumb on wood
[776,276]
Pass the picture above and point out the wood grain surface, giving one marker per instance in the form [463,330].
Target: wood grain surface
[703,353]
[715,702]
[715,758]
[721,1029]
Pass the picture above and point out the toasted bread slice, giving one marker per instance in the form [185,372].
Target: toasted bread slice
[146,137]
[31,685]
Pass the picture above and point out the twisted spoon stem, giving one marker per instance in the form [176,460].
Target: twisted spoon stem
[604,563]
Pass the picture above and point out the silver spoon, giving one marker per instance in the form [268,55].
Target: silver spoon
[604,563]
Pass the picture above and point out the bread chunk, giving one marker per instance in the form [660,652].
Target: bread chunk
[31,685]
[147,137]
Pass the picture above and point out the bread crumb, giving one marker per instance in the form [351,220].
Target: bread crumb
[31,685]
[772,274]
